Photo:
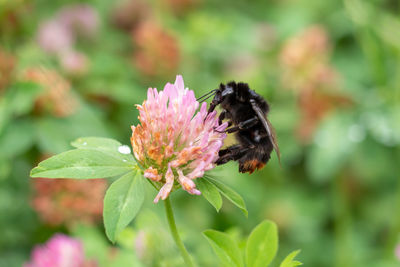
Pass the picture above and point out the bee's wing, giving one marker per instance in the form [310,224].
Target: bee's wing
[268,127]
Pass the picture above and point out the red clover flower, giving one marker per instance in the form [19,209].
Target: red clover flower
[173,143]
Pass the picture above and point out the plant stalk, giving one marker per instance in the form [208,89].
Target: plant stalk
[175,235]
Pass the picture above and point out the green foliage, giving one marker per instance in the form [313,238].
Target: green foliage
[94,158]
[225,247]
[332,148]
[99,143]
[18,100]
[16,139]
[82,164]
[54,134]
[122,202]
[97,247]
[101,158]
[212,195]
[261,247]
[108,145]
[210,192]
[289,260]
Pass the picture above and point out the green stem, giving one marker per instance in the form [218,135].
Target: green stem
[341,211]
[175,235]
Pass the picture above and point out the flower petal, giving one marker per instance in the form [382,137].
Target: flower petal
[167,187]
[187,184]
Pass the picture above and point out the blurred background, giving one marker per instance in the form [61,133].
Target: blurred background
[329,69]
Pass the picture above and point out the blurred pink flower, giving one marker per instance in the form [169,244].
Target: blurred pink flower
[81,19]
[140,244]
[397,252]
[58,35]
[59,251]
[67,201]
[173,143]
[305,61]
[157,50]
[56,96]
[55,37]
[74,62]
[306,69]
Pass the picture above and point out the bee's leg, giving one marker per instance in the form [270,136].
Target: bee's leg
[215,102]
[234,152]
[247,124]
[221,117]
[232,129]
[227,150]
[244,125]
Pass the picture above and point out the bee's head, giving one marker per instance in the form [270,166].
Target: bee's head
[226,91]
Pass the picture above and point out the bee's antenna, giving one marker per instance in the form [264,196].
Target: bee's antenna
[206,96]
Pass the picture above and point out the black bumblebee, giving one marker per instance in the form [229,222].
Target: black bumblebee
[246,112]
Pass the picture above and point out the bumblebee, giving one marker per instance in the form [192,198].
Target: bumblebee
[246,112]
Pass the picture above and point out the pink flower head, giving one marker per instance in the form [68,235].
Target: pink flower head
[59,251]
[174,143]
